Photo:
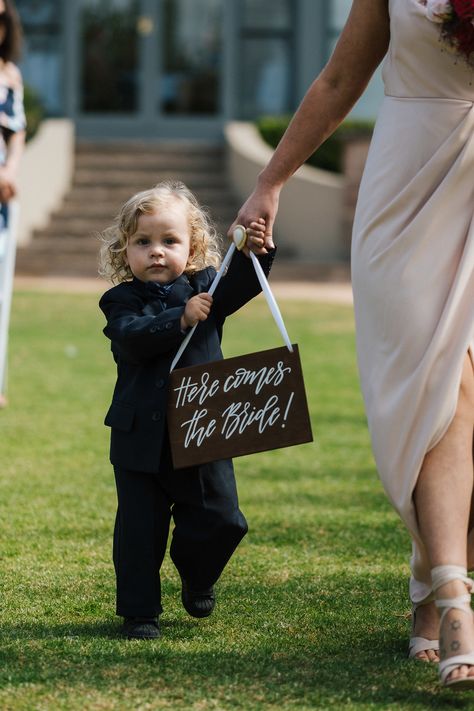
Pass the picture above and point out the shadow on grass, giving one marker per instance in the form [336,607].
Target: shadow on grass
[301,655]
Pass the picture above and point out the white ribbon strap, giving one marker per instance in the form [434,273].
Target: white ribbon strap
[212,288]
[267,292]
[238,243]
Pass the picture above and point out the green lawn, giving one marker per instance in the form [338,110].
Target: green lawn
[312,608]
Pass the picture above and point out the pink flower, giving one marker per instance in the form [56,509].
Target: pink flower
[439,10]
[464,9]
[456,18]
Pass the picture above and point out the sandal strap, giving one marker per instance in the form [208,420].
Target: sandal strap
[456,603]
[421,644]
[443,574]
[451,663]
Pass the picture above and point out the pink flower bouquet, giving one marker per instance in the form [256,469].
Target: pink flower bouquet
[456,18]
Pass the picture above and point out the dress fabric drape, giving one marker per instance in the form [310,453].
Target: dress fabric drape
[413,258]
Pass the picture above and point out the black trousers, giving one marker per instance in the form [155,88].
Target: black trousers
[208,527]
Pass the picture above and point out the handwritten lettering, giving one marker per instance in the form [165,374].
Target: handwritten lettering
[263,376]
[198,433]
[189,391]
[238,416]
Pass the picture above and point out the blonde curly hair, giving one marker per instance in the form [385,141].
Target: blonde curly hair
[205,242]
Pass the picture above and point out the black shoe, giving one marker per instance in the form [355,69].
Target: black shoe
[140,628]
[197,603]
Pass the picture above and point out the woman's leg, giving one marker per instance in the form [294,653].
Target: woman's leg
[443,501]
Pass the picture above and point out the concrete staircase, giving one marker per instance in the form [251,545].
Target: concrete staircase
[107,174]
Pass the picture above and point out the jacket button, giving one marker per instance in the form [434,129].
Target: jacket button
[169,325]
[160,383]
[156,416]
[153,329]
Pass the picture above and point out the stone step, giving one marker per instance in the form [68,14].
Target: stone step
[139,148]
[74,228]
[137,180]
[108,209]
[68,263]
[117,195]
[70,257]
[67,244]
[150,162]
[78,228]
[105,176]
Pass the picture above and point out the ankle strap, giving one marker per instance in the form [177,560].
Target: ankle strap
[443,574]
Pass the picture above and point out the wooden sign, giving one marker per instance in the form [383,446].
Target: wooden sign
[237,406]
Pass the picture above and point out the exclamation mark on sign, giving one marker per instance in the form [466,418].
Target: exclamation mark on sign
[285,416]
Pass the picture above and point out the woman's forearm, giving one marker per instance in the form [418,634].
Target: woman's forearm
[15,151]
[320,113]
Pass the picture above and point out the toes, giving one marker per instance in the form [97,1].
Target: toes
[459,673]
[422,656]
[428,655]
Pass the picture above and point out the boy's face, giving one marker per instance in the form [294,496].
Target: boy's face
[159,250]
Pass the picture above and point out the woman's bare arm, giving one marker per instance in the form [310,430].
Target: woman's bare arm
[360,49]
[9,171]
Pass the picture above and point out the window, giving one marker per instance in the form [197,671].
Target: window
[109,53]
[266,57]
[192,57]
[41,64]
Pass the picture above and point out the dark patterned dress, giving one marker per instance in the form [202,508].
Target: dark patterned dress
[12,120]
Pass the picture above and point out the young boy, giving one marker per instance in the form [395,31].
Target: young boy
[163,251]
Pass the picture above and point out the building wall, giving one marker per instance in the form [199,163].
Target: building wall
[269,53]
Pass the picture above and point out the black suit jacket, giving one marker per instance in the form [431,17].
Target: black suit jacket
[145,336]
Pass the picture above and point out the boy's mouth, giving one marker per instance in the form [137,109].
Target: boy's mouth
[156,266]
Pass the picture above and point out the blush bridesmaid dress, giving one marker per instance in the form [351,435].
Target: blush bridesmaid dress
[413,258]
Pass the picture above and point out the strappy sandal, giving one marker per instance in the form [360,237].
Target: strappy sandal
[441,575]
[420,644]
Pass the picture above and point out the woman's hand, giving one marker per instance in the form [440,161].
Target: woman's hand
[258,211]
[197,309]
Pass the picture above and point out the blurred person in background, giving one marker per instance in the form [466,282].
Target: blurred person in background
[12,140]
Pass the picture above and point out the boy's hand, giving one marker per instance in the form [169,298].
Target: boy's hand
[197,309]
[255,237]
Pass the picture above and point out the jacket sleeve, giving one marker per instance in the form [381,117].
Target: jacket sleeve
[140,336]
[240,284]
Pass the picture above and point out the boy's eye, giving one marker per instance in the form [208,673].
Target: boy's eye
[142,241]
[169,240]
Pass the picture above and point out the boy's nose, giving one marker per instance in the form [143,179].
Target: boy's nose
[156,248]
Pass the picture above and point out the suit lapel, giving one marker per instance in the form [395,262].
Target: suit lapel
[180,293]
[182,290]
